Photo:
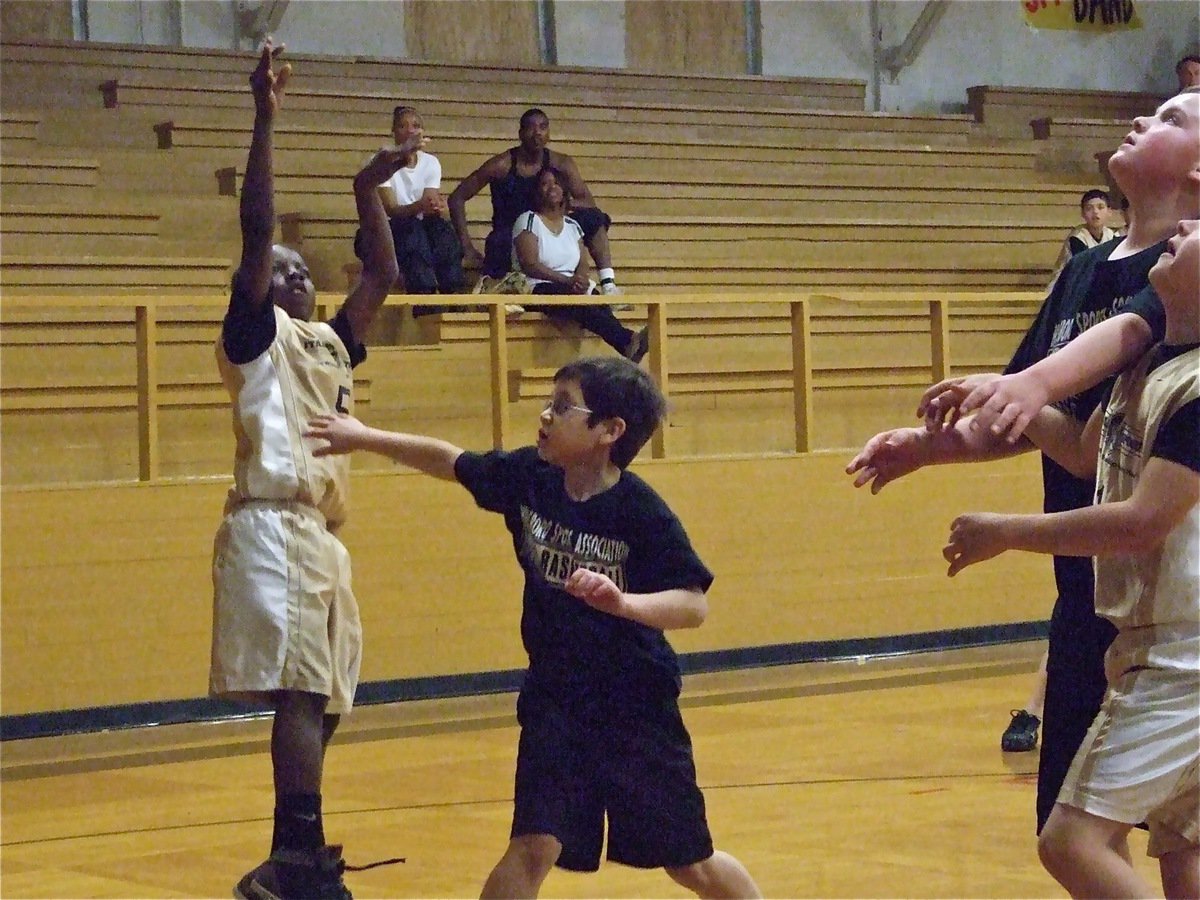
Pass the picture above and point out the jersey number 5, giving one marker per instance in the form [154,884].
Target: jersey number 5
[343,395]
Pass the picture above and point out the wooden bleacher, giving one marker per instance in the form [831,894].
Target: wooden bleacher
[568,117]
[1069,144]
[92,64]
[712,193]
[1007,111]
[71,404]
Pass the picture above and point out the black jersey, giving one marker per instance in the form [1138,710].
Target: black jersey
[1090,289]
[513,194]
[587,661]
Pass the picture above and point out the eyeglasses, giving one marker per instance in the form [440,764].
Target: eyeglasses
[560,406]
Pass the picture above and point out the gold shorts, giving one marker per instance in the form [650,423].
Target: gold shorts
[284,616]
[1138,762]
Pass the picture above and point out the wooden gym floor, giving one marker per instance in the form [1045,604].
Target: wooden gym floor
[879,779]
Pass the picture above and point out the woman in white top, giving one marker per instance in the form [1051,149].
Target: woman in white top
[427,247]
[548,248]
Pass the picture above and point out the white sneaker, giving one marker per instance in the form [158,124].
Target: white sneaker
[610,288]
[513,311]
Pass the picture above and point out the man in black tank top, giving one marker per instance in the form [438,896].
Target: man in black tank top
[511,175]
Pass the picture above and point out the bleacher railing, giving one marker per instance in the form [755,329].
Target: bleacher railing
[146,309]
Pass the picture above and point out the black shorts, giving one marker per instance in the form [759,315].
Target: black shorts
[591,219]
[639,773]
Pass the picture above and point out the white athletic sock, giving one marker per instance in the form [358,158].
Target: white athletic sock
[607,275]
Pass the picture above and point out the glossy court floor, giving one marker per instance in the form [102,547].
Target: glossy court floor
[874,778]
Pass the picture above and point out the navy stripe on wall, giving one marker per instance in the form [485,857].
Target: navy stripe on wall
[175,712]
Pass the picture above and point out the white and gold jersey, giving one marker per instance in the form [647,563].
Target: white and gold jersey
[1153,598]
[304,372]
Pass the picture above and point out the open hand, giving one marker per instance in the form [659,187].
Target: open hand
[266,84]
[342,433]
[596,590]
[888,456]
[973,538]
[942,405]
[1006,404]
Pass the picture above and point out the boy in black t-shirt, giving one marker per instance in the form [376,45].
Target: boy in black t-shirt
[1157,167]
[608,567]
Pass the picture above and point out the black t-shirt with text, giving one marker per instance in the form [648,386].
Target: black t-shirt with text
[1090,289]
[581,659]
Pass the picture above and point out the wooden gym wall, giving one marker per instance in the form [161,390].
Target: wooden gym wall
[107,591]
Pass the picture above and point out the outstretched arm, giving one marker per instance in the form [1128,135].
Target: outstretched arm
[257,204]
[675,608]
[344,434]
[893,454]
[1006,404]
[1165,493]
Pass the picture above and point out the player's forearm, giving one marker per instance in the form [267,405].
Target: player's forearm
[961,443]
[1107,529]
[1060,437]
[429,455]
[379,252]
[257,205]
[665,610]
[1100,351]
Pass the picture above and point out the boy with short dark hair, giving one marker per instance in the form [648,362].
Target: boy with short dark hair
[1139,760]
[1093,208]
[608,567]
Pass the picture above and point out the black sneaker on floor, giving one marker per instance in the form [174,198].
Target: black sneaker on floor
[297,875]
[1021,735]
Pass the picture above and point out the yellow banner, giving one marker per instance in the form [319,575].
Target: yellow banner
[1082,15]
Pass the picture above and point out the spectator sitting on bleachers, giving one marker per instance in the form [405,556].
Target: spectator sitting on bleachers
[547,246]
[512,176]
[1093,206]
[1187,70]
[427,248]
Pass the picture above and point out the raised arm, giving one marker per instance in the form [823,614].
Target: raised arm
[1164,494]
[380,269]
[345,434]
[665,610]
[257,204]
